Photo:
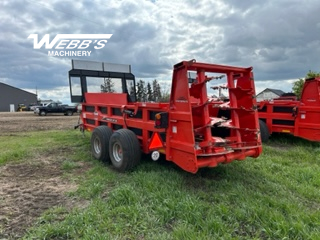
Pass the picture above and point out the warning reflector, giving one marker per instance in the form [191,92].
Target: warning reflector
[156,141]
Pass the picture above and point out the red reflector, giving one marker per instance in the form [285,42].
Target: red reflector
[158,122]
[156,141]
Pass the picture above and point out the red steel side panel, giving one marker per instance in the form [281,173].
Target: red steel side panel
[301,118]
[308,114]
[106,98]
[180,137]
[274,118]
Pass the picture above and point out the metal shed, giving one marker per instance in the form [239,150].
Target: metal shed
[13,96]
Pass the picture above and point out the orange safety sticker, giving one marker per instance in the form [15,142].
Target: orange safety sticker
[156,141]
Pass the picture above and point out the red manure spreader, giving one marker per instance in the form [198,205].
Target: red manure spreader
[300,118]
[191,130]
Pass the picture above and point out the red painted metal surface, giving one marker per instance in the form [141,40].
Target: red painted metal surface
[198,134]
[299,118]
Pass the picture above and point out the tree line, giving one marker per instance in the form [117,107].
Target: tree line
[145,91]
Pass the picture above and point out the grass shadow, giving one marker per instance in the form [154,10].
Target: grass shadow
[287,140]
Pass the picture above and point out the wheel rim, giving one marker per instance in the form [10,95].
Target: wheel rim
[97,145]
[117,152]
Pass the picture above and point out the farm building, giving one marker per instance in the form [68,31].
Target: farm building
[11,97]
[269,93]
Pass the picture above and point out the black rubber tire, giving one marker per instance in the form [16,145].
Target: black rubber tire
[42,113]
[264,131]
[100,143]
[69,113]
[124,149]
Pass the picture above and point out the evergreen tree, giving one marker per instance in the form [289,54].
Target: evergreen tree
[107,86]
[131,90]
[141,91]
[149,93]
[156,89]
[159,91]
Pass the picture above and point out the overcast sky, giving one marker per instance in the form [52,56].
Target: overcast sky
[279,38]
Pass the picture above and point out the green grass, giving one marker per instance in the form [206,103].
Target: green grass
[19,147]
[276,196]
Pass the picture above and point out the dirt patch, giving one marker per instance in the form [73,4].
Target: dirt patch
[28,121]
[27,190]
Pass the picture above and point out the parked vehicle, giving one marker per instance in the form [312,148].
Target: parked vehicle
[190,130]
[34,107]
[300,118]
[54,107]
[22,107]
[79,108]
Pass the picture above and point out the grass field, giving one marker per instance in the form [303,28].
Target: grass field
[276,196]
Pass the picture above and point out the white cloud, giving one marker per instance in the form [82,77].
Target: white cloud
[280,39]
[284,85]
[61,94]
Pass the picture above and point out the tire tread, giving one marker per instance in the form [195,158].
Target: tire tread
[130,147]
[104,133]
[264,131]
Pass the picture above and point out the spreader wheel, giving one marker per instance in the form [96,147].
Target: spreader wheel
[100,143]
[124,150]
[264,131]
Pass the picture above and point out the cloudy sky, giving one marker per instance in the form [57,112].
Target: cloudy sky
[279,38]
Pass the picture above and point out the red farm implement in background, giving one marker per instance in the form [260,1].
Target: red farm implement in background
[288,115]
[190,130]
